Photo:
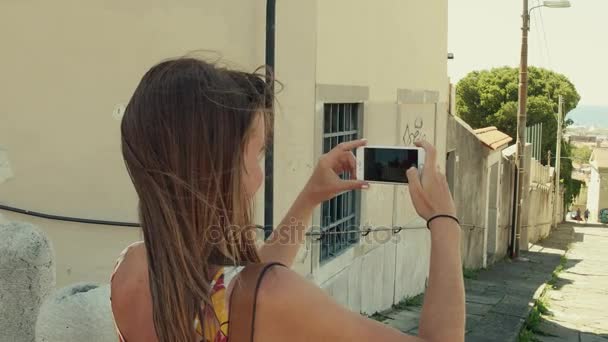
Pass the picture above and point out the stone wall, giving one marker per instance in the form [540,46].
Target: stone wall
[27,276]
[507,182]
[80,312]
[469,190]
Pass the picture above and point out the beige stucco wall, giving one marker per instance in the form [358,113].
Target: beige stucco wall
[603,189]
[581,200]
[397,49]
[69,65]
[597,191]
[294,129]
[386,45]
[540,214]
[65,67]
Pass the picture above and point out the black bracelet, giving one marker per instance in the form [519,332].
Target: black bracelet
[428,222]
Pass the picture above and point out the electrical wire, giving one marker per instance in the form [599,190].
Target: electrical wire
[536,22]
[67,218]
[542,25]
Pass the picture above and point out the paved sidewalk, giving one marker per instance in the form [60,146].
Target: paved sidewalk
[499,299]
[579,300]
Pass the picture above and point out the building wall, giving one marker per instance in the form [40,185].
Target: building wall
[539,214]
[593,194]
[294,129]
[385,44]
[470,176]
[66,66]
[64,144]
[407,85]
[603,190]
[541,198]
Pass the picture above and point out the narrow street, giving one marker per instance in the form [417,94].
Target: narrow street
[579,300]
[500,297]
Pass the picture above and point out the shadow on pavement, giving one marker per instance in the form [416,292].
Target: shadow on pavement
[499,300]
[549,331]
[587,225]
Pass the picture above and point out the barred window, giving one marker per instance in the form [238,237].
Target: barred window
[340,215]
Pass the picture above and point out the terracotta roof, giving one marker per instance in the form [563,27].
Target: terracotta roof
[600,157]
[492,137]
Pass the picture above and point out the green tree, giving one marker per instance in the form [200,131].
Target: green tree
[581,154]
[489,98]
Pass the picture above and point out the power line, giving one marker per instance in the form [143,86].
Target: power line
[539,46]
[542,23]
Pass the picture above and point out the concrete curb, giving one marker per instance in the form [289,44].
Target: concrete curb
[536,296]
[531,304]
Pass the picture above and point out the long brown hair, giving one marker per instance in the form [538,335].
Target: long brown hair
[183,137]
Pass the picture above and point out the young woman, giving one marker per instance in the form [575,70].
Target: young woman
[192,138]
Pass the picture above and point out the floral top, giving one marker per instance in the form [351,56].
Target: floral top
[216,317]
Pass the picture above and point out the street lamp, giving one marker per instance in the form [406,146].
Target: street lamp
[556,4]
[521,115]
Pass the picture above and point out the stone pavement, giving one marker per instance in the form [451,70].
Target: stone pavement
[579,300]
[499,298]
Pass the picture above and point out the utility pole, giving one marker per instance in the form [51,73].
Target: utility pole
[558,153]
[521,129]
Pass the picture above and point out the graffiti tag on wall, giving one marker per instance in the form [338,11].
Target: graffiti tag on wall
[414,132]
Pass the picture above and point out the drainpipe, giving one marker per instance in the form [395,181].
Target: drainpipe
[513,240]
[269,157]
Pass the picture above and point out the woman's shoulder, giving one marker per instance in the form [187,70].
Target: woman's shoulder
[130,293]
[279,281]
[132,261]
[131,271]
[288,303]
[136,247]
[290,306]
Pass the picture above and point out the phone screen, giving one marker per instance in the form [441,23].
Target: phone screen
[388,164]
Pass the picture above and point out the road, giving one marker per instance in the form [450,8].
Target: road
[579,300]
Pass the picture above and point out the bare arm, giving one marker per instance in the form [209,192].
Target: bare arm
[443,311]
[292,308]
[325,183]
[444,303]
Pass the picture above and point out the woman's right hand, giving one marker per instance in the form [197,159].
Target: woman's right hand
[430,192]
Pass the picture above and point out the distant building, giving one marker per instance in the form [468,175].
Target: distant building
[597,193]
[582,138]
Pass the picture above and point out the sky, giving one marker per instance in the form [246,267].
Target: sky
[487,33]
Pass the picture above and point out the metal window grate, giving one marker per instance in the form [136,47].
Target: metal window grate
[340,215]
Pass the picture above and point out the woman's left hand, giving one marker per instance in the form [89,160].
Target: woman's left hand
[325,182]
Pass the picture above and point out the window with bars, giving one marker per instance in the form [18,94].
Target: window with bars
[340,215]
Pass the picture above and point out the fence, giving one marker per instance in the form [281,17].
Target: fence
[534,136]
[540,174]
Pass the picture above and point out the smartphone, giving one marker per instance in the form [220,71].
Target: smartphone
[387,164]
